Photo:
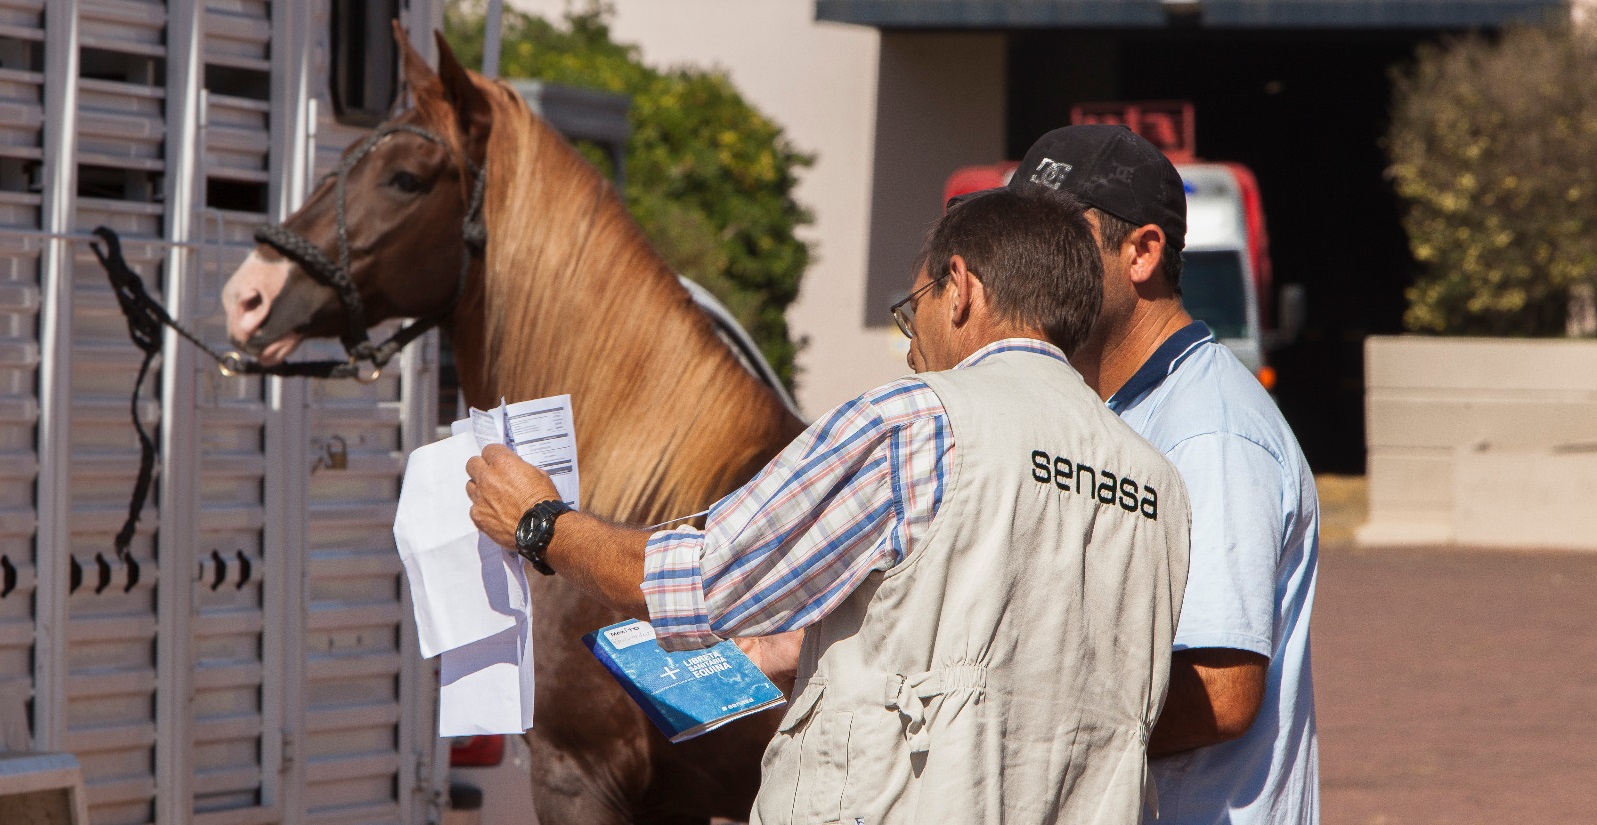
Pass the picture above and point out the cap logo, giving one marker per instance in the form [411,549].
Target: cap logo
[1051,173]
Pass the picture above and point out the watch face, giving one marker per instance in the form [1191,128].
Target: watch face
[528,529]
[536,530]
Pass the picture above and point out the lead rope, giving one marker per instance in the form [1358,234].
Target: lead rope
[145,319]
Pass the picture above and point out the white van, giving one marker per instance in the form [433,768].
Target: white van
[1225,276]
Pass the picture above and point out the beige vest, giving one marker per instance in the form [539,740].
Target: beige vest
[1009,670]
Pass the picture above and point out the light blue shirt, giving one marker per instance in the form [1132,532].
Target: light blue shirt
[1255,550]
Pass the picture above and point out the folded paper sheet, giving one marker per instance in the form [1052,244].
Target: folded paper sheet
[486,686]
[459,585]
[470,596]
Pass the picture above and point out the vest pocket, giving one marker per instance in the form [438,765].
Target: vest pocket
[806,765]
[823,768]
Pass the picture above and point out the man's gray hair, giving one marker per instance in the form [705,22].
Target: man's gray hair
[1034,253]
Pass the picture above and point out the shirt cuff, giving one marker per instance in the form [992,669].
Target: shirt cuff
[673,590]
[1231,641]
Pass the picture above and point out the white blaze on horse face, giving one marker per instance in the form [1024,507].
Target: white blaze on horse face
[247,299]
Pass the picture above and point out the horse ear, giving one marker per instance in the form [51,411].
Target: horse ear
[424,85]
[470,104]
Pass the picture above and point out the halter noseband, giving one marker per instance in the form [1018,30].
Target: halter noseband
[336,276]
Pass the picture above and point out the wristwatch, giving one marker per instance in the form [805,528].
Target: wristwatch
[536,529]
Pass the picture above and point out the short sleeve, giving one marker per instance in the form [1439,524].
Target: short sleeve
[1238,525]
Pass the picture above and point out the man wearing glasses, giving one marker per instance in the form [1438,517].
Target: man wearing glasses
[1237,742]
[988,563]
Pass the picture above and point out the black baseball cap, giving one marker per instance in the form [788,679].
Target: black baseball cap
[1113,169]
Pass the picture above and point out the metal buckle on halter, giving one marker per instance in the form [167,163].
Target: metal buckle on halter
[377,372]
[231,364]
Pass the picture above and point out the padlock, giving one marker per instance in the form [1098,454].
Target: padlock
[337,453]
[334,456]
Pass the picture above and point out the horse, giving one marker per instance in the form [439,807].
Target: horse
[566,297]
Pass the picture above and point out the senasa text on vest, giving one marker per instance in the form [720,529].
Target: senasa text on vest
[1102,486]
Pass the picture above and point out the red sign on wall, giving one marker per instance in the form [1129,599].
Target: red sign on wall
[1167,124]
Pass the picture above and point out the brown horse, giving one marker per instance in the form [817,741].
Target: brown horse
[568,298]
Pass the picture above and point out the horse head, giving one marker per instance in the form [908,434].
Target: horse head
[393,220]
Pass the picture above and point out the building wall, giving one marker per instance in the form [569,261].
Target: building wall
[940,106]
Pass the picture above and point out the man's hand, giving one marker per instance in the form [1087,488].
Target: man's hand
[502,489]
[776,656]
[602,559]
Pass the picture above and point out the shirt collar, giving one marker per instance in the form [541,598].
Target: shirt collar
[1012,345]
[1161,363]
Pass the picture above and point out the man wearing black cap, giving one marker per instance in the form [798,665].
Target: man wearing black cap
[1236,742]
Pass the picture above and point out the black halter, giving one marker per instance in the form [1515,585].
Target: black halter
[336,277]
[145,316]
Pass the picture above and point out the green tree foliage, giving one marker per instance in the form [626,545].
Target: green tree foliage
[1494,146]
[709,178]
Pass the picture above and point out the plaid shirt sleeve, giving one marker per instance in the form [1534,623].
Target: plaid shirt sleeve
[848,496]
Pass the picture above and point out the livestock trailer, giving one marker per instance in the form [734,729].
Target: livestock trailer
[252,660]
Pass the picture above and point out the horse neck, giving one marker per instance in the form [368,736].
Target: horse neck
[575,302]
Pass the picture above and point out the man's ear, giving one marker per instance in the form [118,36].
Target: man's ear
[1146,244]
[964,284]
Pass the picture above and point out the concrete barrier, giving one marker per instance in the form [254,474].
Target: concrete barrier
[1481,441]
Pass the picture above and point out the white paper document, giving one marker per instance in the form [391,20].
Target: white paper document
[460,583]
[539,431]
[486,686]
[471,596]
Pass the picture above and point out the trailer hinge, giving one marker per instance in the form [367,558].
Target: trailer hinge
[434,799]
[290,751]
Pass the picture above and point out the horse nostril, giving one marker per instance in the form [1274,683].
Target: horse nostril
[251,302]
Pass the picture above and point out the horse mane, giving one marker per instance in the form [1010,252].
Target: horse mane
[576,301]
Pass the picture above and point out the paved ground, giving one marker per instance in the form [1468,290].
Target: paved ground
[1453,686]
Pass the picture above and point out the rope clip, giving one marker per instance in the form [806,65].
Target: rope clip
[354,365]
[231,364]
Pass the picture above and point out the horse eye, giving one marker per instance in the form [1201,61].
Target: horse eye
[405,182]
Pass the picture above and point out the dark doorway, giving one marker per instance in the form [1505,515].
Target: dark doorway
[1305,110]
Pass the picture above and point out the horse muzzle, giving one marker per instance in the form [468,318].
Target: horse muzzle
[250,296]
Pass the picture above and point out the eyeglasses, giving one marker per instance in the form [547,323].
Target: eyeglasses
[904,311]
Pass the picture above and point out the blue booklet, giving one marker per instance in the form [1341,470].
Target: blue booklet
[687,693]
